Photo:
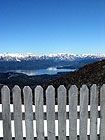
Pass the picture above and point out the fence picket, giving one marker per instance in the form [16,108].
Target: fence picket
[73,98]
[102,113]
[50,115]
[83,112]
[93,112]
[28,113]
[62,113]
[6,115]
[39,112]
[50,102]
[17,113]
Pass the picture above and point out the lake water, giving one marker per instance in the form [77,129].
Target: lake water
[51,71]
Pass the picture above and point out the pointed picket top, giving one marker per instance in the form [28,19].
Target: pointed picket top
[5,86]
[4,89]
[50,88]
[73,89]
[93,111]
[39,89]
[27,91]
[5,93]
[16,87]
[17,112]
[61,89]
[102,89]
[39,112]
[94,90]
[84,92]
[6,115]
[102,112]
[84,88]
[62,112]
[16,91]
[73,99]
[50,102]
[94,86]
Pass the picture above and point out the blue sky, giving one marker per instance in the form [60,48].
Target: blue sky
[52,26]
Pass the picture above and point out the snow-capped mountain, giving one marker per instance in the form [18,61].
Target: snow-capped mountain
[17,57]
[55,57]
[71,57]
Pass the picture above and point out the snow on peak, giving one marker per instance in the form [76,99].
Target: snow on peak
[17,56]
[58,56]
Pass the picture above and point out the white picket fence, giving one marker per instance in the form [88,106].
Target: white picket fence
[83,115]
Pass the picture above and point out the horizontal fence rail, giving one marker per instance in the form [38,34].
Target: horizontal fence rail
[82,118]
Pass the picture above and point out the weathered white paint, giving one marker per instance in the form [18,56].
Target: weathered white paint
[62,113]
[102,113]
[17,113]
[6,115]
[50,102]
[39,113]
[93,112]
[28,113]
[73,98]
[83,112]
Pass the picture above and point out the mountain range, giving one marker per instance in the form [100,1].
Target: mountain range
[28,61]
[56,57]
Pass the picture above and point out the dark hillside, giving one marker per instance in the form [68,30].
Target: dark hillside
[11,78]
[89,74]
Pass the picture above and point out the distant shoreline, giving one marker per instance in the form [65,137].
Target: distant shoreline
[48,71]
